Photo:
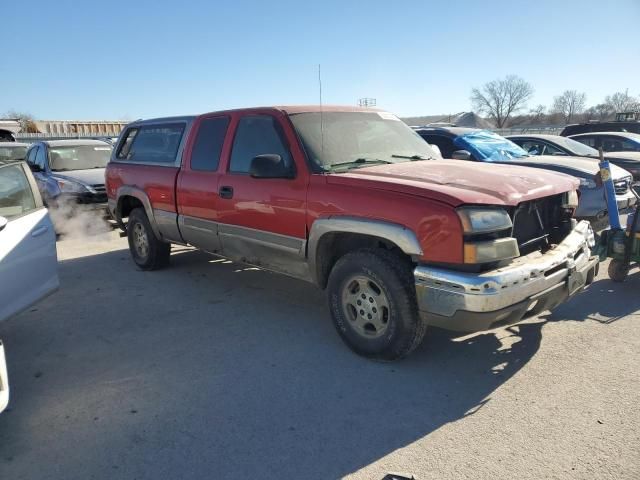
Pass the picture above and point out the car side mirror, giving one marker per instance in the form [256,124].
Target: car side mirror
[269,166]
[3,223]
[461,155]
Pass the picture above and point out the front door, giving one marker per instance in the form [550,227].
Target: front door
[263,220]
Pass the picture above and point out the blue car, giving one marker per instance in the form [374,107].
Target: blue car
[70,172]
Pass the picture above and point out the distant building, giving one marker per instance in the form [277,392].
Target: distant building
[12,129]
[80,128]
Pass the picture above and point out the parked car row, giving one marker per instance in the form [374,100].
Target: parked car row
[485,146]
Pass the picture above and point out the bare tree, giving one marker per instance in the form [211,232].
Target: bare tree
[27,122]
[622,102]
[537,114]
[569,104]
[501,98]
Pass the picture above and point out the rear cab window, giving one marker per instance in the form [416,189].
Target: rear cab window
[155,144]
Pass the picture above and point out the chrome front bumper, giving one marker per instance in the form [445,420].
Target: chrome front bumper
[528,285]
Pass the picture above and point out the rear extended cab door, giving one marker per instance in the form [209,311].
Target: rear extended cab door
[262,221]
[197,186]
[28,257]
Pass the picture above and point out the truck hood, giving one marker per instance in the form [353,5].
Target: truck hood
[458,182]
[580,165]
[93,176]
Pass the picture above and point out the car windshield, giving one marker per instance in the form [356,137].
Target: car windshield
[355,139]
[79,157]
[485,145]
[576,148]
[10,153]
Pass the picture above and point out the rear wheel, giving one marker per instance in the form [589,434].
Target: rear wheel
[373,304]
[618,270]
[147,251]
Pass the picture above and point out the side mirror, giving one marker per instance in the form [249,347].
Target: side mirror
[269,166]
[461,155]
[34,167]
[3,223]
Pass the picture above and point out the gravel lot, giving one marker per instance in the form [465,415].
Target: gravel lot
[213,370]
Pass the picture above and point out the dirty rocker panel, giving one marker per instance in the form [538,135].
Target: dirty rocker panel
[200,233]
[271,251]
[168,225]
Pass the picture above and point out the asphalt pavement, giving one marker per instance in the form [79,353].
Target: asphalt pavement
[210,369]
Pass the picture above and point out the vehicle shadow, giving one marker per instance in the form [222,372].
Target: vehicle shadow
[604,301]
[210,369]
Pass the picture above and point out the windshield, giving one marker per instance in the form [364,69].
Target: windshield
[79,157]
[360,138]
[11,153]
[576,148]
[485,145]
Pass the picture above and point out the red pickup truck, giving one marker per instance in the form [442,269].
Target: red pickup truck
[355,202]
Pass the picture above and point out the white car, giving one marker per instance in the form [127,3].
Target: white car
[28,258]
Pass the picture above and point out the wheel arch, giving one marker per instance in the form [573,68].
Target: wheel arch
[132,197]
[330,238]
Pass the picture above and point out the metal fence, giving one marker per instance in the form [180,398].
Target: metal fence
[36,137]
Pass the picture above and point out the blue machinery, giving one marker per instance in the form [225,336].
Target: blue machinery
[622,246]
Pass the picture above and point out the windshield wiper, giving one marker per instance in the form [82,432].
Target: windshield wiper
[360,161]
[413,157]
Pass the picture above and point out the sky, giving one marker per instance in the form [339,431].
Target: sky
[122,60]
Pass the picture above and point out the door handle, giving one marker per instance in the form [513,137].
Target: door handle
[39,231]
[226,192]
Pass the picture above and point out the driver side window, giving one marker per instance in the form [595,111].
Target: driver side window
[257,135]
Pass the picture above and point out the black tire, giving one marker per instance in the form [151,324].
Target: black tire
[396,329]
[156,254]
[618,270]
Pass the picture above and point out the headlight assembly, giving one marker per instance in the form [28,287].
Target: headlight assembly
[570,199]
[483,220]
[69,186]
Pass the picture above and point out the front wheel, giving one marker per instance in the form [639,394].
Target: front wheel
[147,251]
[373,304]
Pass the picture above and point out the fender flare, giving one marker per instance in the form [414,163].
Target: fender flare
[404,238]
[129,191]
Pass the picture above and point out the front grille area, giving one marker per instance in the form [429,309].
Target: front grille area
[622,186]
[99,187]
[538,224]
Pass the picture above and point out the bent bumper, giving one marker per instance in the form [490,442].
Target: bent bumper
[530,284]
